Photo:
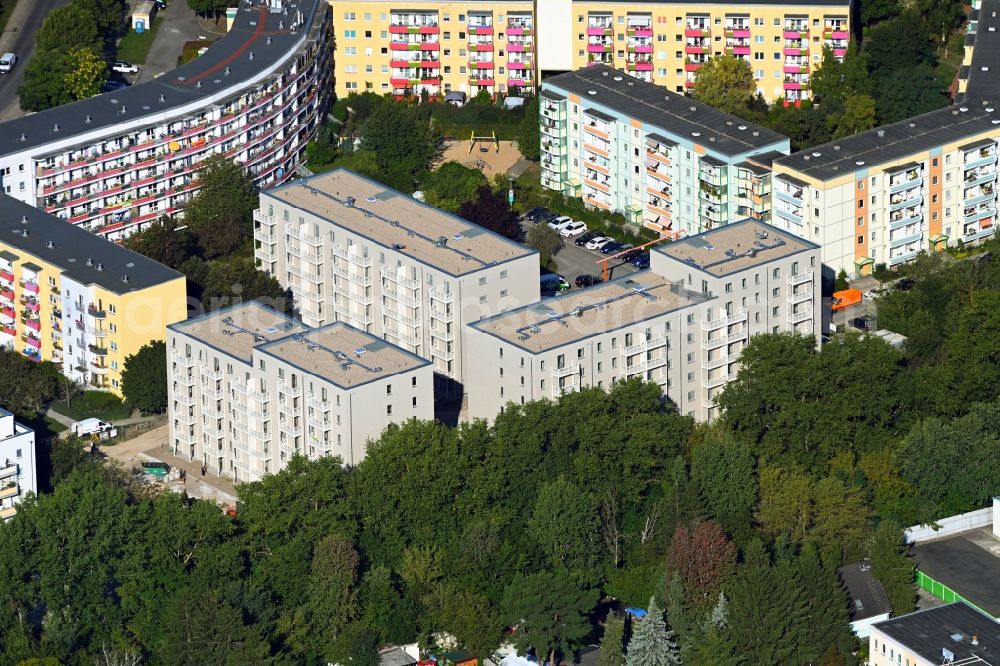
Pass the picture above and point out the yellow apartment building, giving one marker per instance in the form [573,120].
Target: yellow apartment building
[78,300]
[504,48]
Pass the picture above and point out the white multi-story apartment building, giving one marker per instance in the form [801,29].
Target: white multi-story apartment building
[17,464]
[118,160]
[250,387]
[353,250]
[882,196]
[681,324]
[664,160]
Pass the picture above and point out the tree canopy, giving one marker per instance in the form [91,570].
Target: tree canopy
[727,83]
[144,378]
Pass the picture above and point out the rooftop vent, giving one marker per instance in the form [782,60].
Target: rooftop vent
[695,133]
[694,108]
[989,109]
[816,154]
[591,92]
[99,267]
[604,73]
[912,124]
[836,146]
[712,139]
[55,128]
[742,127]
[124,109]
[756,133]
[860,162]
[49,244]
[963,109]
[442,241]
[268,41]
[87,119]
[251,55]
[163,98]
[24,233]
[198,85]
[349,201]
[24,219]
[617,78]
[125,279]
[227,71]
[90,262]
[22,138]
[880,133]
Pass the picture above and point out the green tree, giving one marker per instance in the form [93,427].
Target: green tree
[549,610]
[144,378]
[226,197]
[892,567]
[68,28]
[28,387]
[66,454]
[704,559]
[858,116]
[238,280]
[564,524]
[546,240]
[87,73]
[727,83]
[451,185]
[44,84]
[825,620]
[612,642]
[200,628]
[208,8]
[402,142]
[652,643]
[528,136]
[723,469]
[165,241]
[841,283]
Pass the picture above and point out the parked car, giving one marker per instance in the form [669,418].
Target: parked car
[574,228]
[612,247]
[123,67]
[587,280]
[534,214]
[7,62]
[112,85]
[552,282]
[561,223]
[586,238]
[596,243]
[641,261]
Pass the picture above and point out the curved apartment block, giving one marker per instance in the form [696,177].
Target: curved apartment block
[113,162]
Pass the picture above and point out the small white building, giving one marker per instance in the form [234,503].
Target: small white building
[17,463]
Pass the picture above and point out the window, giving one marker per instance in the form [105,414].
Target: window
[482,299]
[388,410]
[861,240]
[413,381]
[350,34]
[349,16]
[388,389]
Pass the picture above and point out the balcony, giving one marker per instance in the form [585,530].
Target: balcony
[8,470]
[95,313]
[905,201]
[645,366]
[718,341]
[800,296]
[645,345]
[800,315]
[906,239]
[97,351]
[719,380]
[11,490]
[905,219]
[800,278]
[740,316]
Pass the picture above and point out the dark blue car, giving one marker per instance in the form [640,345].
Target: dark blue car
[642,261]
[612,247]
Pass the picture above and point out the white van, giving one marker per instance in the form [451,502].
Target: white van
[7,62]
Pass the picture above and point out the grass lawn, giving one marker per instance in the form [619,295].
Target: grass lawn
[53,425]
[190,50]
[134,47]
[6,9]
[93,405]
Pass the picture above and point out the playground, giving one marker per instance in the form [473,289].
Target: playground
[489,155]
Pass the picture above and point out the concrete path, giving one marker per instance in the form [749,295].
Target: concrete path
[19,37]
[68,422]
[519,168]
[179,25]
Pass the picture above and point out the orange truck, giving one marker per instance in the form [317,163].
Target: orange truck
[846,298]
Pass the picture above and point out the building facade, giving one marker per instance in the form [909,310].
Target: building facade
[883,196]
[113,162]
[352,250]
[18,474]
[78,300]
[682,324]
[671,163]
[435,48]
[250,387]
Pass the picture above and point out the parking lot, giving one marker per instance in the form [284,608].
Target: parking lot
[574,260]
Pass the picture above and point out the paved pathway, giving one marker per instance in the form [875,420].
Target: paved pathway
[179,25]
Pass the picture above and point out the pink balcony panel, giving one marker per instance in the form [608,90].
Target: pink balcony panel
[33,342]
[4,275]
[33,325]
[692,66]
[518,65]
[792,85]
[794,69]
[7,312]
[597,48]
[644,66]
[840,53]
[431,81]
[695,49]
[597,32]
[689,84]
[644,48]
[10,330]
[399,46]
[399,82]
[520,83]
[740,50]
[793,34]
[398,29]
[516,48]
[399,63]
[516,31]
[32,287]
[488,64]
[794,51]
[429,30]
[34,307]
[696,32]
[481,30]
[429,46]
[643,32]
[481,48]
[482,82]
[840,34]
[745,33]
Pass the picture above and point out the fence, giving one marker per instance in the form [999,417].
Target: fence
[943,592]
[133,430]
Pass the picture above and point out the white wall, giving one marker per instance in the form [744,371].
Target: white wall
[963,522]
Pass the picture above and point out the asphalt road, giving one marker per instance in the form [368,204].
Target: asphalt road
[19,38]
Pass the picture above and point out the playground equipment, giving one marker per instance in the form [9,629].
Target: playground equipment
[492,138]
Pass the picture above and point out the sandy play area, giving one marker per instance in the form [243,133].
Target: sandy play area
[490,162]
